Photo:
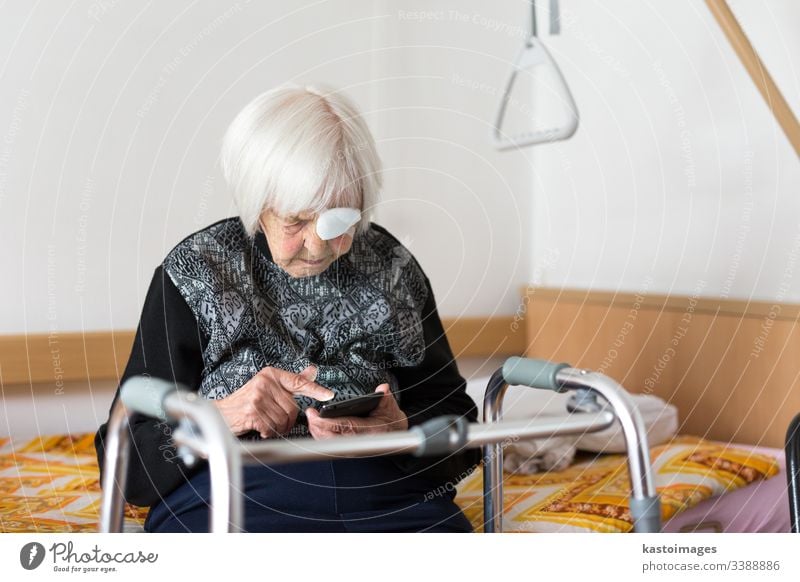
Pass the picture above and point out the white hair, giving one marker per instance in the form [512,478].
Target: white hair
[295,149]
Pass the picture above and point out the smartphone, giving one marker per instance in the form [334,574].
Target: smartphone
[357,406]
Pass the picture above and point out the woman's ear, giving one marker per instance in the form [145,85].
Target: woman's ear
[262,220]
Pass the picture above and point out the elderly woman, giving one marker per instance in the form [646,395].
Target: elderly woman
[297,301]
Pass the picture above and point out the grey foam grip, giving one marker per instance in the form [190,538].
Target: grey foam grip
[441,435]
[145,395]
[533,373]
[646,514]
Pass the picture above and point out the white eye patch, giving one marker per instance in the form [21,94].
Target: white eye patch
[336,222]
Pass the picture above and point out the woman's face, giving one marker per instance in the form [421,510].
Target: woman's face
[296,247]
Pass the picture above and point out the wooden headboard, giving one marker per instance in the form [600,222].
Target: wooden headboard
[732,368]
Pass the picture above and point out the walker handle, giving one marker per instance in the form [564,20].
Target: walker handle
[533,373]
[145,395]
[440,435]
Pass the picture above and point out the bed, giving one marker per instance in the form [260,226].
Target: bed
[705,485]
[50,484]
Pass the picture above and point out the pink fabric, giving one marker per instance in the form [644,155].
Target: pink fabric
[759,507]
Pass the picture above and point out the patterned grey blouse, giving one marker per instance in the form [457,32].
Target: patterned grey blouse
[219,310]
[355,321]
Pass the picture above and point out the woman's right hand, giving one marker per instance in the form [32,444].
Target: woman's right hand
[266,402]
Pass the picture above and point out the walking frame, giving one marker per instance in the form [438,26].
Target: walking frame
[202,433]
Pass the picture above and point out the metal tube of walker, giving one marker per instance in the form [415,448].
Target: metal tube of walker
[493,456]
[161,399]
[225,469]
[419,440]
[437,436]
[112,503]
[226,454]
[645,505]
[793,471]
[412,441]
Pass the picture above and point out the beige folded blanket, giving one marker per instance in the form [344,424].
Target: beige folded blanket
[556,453]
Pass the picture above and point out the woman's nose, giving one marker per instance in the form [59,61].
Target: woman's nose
[314,244]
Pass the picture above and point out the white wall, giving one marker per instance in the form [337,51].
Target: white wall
[111,114]
[465,205]
[679,179]
[74,408]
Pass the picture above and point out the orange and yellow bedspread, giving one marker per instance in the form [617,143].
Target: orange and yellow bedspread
[50,484]
[593,495]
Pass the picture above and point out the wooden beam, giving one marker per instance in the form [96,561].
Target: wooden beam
[53,359]
[710,305]
[64,357]
[757,71]
[485,336]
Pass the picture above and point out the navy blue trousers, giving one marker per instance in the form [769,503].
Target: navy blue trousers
[345,495]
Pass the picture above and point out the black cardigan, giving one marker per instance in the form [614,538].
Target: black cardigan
[169,344]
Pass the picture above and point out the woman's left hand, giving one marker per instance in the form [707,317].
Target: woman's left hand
[386,417]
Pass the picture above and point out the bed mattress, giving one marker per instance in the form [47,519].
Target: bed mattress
[50,484]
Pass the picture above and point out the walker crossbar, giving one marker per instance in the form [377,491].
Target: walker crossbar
[645,505]
[412,441]
[227,455]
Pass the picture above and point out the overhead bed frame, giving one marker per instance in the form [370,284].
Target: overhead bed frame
[758,72]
